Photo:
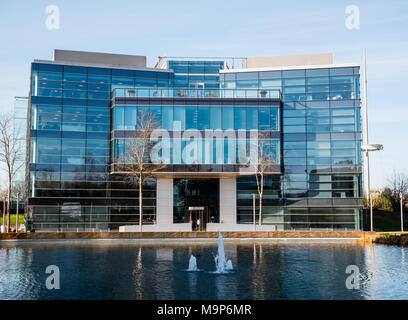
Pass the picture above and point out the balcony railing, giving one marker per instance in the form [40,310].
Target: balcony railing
[197,93]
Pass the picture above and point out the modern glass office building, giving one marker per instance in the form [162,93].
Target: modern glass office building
[303,111]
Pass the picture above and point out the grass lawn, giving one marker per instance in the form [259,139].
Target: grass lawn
[13,219]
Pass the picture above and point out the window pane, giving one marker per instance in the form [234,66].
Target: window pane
[227,118]
[239,118]
[274,118]
[191,117]
[203,118]
[215,117]
[130,117]
[264,118]
[252,118]
[119,118]
[167,122]
[179,116]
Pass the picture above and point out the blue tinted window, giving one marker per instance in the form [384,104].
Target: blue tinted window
[123,73]
[264,118]
[119,120]
[155,111]
[247,75]
[49,76]
[247,84]
[146,82]
[75,69]
[227,118]
[317,72]
[293,121]
[317,80]
[341,71]
[215,117]
[123,81]
[98,103]
[317,112]
[167,117]
[98,87]
[317,88]
[230,76]
[74,110]
[97,119]
[270,74]
[74,127]
[163,75]
[75,94]
[50,84]
[73,118]
[146,74]
[99,71]
[75,85]
[74,102]
[270,83]
[239,118]
[178,66]
[274,118]
[293,73]
[49,92]
[293,82]
[196,66]
[99,79]
[75,77]
[252,118]
[203,118]
[213,66]
[49,67]
[294,113]
[98,95]
[130,117]
[293,89]
[191,117]
[179,116]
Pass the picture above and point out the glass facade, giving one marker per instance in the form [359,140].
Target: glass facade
[80,118]
[321,136]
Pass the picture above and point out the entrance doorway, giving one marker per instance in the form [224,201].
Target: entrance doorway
[196,201]
[198,218]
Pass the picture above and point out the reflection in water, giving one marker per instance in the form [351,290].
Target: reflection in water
[131,270]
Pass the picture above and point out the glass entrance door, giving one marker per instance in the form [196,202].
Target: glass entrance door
[198,194]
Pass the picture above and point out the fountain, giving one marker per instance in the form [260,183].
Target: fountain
[221,262]
[192,265]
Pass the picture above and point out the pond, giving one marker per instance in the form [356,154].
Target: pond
[134,269]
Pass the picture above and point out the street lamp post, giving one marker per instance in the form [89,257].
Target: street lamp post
[366,147]
[3,226]
[18,196]
[402,213]
[253,211]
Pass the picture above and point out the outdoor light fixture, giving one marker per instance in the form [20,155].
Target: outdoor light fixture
[372,147]
[366,147]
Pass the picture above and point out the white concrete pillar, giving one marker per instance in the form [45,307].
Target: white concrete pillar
[164,196]
[228,200]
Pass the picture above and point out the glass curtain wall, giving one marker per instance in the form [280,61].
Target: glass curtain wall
[321,142]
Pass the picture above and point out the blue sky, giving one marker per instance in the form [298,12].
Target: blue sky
[227,28]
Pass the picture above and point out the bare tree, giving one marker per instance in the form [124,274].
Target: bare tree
[262,166]
[10,155]
[136,162]
[398,183]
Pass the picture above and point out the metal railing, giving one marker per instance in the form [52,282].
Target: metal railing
[197,93]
